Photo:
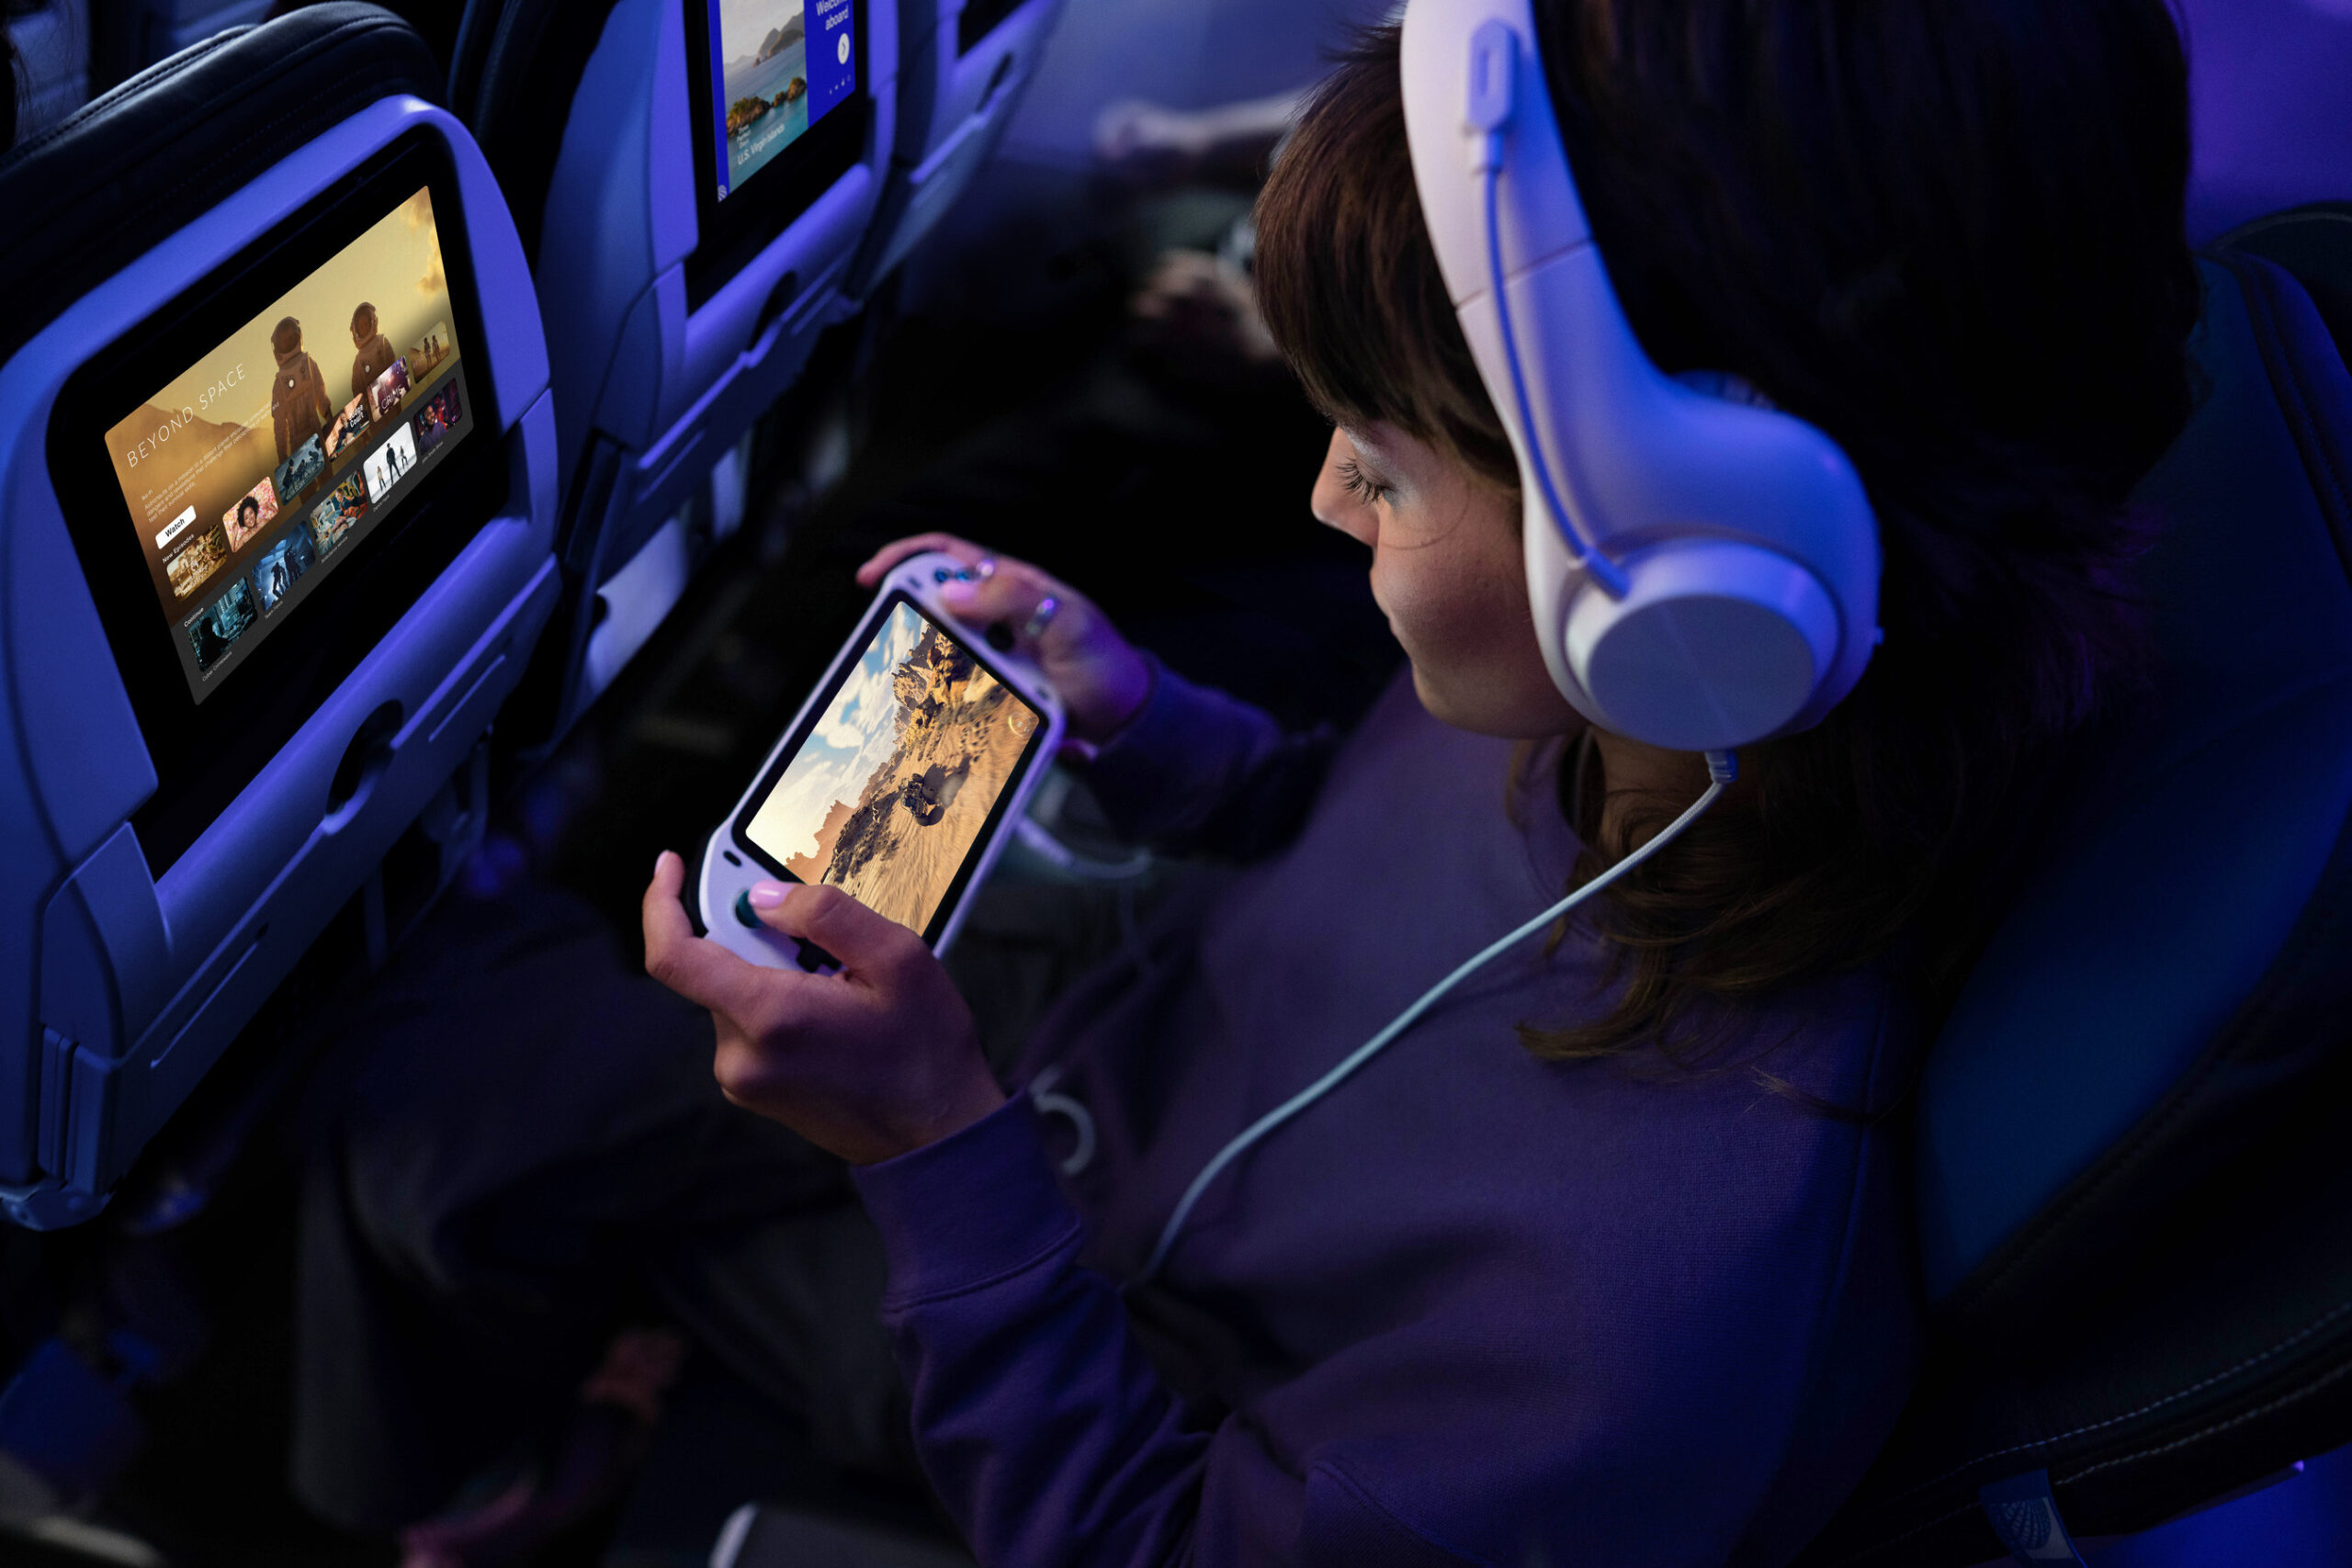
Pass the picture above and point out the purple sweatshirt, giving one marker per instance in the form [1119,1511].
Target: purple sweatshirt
[1473,1307]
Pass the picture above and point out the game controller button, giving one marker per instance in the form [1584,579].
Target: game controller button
[999,637]
[941,574]
[743,910]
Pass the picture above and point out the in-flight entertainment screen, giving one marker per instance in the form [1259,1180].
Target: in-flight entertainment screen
[252,474]
[778,66]
[891,793]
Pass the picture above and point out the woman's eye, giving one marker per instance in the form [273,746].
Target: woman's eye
[1362,486]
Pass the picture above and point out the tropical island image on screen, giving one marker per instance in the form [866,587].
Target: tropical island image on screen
[766,80]
[889,792]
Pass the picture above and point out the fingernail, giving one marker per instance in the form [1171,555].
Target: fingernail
[768,895]
[957,590]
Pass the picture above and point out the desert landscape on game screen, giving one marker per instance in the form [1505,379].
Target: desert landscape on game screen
[897,780]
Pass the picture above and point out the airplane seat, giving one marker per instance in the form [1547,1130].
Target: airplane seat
[2315,243]
[260,594]
[689,264]
[963,66]
[2135,1202]
[52,79]
[134,34]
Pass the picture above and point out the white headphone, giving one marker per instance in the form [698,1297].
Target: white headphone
[1704,569]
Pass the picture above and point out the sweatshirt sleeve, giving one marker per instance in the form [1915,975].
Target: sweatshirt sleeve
[1197,770]
[1043,1426]
[1663,1405]
[1037,1419]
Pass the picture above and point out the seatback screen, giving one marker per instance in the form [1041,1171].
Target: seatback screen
[780,67]
[890,792]
[251,475]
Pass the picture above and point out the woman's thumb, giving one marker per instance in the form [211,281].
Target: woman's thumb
[859,938]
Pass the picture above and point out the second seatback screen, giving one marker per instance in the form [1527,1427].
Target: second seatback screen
[780,66]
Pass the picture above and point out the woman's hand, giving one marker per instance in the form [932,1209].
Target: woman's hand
[1101,677]
[871,1063]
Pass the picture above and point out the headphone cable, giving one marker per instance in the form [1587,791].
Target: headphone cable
[1723,767]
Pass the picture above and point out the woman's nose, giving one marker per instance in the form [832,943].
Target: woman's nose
[1335,505]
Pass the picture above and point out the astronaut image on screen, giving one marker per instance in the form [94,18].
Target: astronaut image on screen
[281,566]
[780,64]
[890,791]
[221,623]
[299,407]
[376,354]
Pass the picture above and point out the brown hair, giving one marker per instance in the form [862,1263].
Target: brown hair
[1951,236]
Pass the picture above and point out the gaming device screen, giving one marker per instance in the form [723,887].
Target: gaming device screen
[889,793]
[778,67]
[252,474]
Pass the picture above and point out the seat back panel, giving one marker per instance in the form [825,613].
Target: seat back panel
[169,202]
[2165,905]
[2136,1209]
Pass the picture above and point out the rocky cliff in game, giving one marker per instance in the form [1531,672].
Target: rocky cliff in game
[897,848]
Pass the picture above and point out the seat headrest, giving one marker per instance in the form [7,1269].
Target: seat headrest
[2313,242]
[93,193]
[515,69]
[2158,978]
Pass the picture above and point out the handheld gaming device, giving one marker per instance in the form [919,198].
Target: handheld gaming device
[896,783]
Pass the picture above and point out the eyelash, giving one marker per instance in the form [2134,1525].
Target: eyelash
[1362,485]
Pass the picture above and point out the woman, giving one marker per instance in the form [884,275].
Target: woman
[1602,1263]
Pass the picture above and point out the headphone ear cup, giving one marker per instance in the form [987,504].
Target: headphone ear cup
[1715,645]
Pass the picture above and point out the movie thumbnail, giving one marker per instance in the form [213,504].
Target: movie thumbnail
[197,560]
[390,389]
[281,566]
[437,418]
[338,514]
[348,426]
[252,513]
[221,624]
[304,467]
[387,463]
[430,351]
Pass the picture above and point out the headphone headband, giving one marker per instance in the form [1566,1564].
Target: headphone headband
[1703,571]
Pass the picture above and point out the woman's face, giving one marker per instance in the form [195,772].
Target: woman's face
[1447,571]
